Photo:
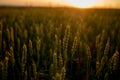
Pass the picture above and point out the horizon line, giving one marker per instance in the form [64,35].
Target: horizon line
[56,4]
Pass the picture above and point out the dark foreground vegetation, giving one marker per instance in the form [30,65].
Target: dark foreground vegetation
[59,44]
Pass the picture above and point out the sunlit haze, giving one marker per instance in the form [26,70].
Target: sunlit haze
[83,3]
[75,3]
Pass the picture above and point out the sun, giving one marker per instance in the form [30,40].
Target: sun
[82,3]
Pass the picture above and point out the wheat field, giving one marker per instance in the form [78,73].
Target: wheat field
[59,44]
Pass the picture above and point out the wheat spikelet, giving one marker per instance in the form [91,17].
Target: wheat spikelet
[37,29]
[24,54]
[12,59]
[56,43]
[30,47]
[24,58]
[38,45]
[63,72]
[34,69]
[98,47]
[8,35]
[65,44]
[60,61]
[12,36]
[59,47]
[51,55]
[66,37]
[75,43]
[104,58]
[58,76]
[51,71]
[55,61]
[114,61]
[88,55]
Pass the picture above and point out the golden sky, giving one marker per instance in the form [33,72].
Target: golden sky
[77,3]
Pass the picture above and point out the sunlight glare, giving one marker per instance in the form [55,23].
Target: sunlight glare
[82,3]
